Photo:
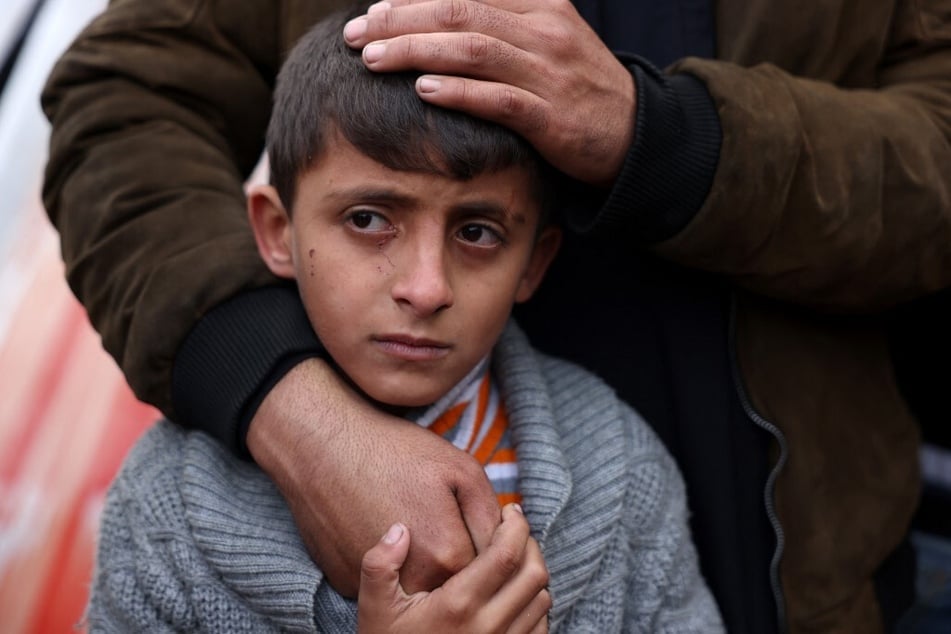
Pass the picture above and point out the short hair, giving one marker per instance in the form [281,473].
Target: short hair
[323,88]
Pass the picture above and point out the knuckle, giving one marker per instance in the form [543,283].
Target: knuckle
[382,22]
[560,37]
[508,103]
[450,558]
[561,6]
[452,15]
[476,48]
[538,574]
[466,464]
[557,35]
[511,106]
[370,559]
[508,560]
[373,564]
[456,607]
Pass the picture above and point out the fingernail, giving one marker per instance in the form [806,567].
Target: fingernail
[355,29]
[378,6]
[518,508]
[393,535]
[427,84]
[374,52]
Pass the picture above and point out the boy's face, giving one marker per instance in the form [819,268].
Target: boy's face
[408,278]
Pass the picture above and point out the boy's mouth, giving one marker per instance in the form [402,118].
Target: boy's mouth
[411,348]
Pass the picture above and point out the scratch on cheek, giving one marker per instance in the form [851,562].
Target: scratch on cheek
[379,247]
[311,254]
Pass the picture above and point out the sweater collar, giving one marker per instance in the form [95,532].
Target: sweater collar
[543,480]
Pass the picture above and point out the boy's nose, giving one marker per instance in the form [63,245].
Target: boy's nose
[422,285]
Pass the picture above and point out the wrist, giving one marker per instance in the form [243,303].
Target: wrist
[669,168]
[288,423]
[229,362]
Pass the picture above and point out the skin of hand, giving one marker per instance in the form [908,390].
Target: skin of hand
[349,471]
[534,66]
[502,590]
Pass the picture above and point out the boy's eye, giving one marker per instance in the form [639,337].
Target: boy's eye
[369,221]
[479,235]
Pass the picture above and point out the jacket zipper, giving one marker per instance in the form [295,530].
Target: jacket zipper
[769,493]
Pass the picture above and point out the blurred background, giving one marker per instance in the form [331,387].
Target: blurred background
[67,418]
[66,415]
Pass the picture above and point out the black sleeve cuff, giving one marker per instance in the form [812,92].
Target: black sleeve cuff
[669,169]
[234,356]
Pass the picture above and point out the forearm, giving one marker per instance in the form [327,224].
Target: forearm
[144,180]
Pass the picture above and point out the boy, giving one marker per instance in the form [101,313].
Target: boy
[410,231]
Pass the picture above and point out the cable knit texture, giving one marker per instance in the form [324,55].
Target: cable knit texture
[194,539]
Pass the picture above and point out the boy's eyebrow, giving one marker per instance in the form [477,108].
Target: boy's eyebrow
[387,195]
[490,208]
[375,194]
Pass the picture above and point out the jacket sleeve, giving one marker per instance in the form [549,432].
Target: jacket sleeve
[827,191]
[158,112]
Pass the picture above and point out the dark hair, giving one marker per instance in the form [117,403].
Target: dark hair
[324,88]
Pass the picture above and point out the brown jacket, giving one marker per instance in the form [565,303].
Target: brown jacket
[831,202]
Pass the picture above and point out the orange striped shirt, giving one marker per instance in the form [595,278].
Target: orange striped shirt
[474,420]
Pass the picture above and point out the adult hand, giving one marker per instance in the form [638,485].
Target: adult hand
[534,66]
[349,471]
[502,590]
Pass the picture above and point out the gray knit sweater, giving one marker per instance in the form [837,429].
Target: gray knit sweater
[193,539]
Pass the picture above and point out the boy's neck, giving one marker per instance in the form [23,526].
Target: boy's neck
[427,414]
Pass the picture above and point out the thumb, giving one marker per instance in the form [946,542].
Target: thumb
[380,570]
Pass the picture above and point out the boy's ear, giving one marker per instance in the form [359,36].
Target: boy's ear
[546,247]
[272,230]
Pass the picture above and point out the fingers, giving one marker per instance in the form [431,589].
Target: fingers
[498,53]
[438,16]
[380,570]
[511,106]
[479,507]
[381,599]
[505,578]
[516,6]
[534,66]
[531,582]
[461,37]
[493,567]
[534,617]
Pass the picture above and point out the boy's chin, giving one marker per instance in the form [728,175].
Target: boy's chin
[400,402]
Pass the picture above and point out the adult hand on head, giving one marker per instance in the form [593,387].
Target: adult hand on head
[534,66]
[349,471]
[502,590]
